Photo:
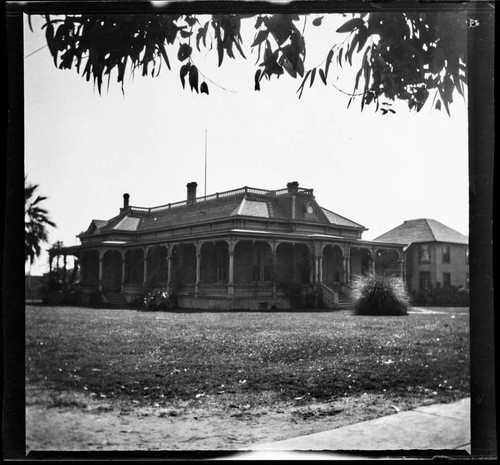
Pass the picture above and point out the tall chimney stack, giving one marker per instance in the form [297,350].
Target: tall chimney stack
[191,191]
[293,187]
[126,197]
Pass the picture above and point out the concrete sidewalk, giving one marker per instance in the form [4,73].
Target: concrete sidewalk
[435,427]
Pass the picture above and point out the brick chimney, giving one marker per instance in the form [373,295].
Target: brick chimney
[191,191]
[293,187]
[126,197]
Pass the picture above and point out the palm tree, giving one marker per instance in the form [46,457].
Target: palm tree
[36,220]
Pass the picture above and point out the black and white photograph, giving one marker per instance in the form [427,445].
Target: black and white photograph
[250,229]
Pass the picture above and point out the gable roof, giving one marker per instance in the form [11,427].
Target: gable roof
[422,230]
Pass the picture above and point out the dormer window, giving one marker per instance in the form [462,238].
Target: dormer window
[309,208]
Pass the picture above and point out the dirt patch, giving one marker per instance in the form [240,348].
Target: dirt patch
[70,422]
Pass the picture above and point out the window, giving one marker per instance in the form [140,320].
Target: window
[446,279]
[424,253]
[467,255]
[424,279]
[446,253]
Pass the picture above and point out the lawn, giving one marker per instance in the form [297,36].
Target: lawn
[152,359]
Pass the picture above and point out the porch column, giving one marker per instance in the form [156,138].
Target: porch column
[348,265]
[169,268]
[401,266]
[274,261]
[320,268]
[372,263]
[145,277]
[198,267]
[64,270]
[230,278]
[122,253]
[99,279]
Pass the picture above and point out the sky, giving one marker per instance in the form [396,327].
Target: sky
[86,150]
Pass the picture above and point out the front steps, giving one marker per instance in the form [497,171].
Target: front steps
[114,300]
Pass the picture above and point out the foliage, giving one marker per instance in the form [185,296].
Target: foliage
[147,358]
[405,55]
[375,294]
[157,299]
[36,221]
[439,296]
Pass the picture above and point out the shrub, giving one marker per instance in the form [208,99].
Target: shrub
[378,295]
[442,296]
[158,299]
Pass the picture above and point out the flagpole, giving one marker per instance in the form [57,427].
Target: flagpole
[205,164]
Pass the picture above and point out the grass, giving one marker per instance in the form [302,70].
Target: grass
[153,358]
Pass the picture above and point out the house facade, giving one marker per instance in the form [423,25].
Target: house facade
[435,255]
[246,248]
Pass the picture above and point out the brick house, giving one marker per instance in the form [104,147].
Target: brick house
[435,255]
[240,249]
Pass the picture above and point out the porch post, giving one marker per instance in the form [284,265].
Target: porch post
[169,267]
[123,253]
[348,265]
[230,280]
[198,263]
[145,277]
[372,263]
[274,259]
[99,279]
[320,267]
[316,251]
[64,270]
[401,265]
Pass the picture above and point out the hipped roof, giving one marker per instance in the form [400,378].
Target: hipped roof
[422,230]
[242,204]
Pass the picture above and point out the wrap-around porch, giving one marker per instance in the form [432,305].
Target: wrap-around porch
[232,273]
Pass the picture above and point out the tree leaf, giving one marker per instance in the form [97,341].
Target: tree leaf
[322,76]
[328,62]
[362,37]
[184,52]
[204,88]
[205,30]
[183,72]
[301,88]
[220,51]
[313,75]
[257,79]
[193,78]
[239,49]
[317,21]
[260,37]
[351,25]
[164,55]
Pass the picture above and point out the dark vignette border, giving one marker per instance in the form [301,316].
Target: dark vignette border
[481,175]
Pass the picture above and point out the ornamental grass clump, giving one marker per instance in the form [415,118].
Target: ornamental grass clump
[378,295]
